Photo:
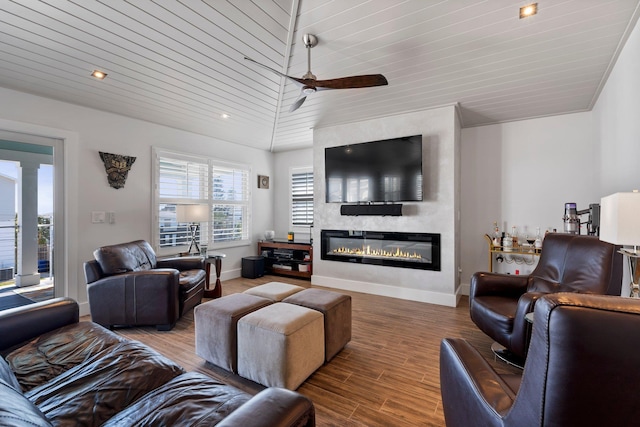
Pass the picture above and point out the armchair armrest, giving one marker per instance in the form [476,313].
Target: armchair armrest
[273,407]
[20,324]
[136,298]
[182,263]
[472,392]
[497,284]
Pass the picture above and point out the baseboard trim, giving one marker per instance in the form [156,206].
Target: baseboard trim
[450,300]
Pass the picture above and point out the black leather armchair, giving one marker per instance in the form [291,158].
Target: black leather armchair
[127,285]
[581,370]
[568,263]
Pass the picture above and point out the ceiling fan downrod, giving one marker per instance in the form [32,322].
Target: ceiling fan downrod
[309,41]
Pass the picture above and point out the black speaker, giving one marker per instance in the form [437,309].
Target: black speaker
[379,210]
[252,267]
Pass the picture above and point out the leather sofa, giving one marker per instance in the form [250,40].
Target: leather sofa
[127,285]
[582,369]
[56,370]
[498,303]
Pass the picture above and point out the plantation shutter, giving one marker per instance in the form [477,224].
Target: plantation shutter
[230,197]
[181,180]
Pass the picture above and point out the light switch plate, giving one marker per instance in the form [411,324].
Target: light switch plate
[97,217]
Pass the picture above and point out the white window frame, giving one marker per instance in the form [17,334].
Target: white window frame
[207,232]
[292,172]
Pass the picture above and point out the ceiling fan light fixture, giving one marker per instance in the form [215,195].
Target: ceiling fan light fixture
[100,75]
[308,90]
[528,10]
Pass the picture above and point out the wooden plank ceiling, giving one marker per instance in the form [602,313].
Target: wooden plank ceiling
[181,62]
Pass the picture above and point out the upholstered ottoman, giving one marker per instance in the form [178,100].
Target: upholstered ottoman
[336,309]
[216,327]
[280,345]
[275,291]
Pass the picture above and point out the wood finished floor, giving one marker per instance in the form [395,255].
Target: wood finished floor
[388,375]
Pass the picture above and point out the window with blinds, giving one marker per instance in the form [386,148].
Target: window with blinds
[186,180]
[302,198]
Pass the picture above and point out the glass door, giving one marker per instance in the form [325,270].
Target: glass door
[27,223]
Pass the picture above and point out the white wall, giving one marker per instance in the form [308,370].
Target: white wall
[522,173]
[617,116]
[283,163]
[86,132]
[436,214]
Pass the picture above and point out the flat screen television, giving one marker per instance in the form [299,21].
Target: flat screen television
[388,170]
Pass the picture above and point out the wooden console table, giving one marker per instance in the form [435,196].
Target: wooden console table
[287,258]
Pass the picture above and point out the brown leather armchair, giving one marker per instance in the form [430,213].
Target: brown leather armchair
[127,285]
[568,263]
[581,369]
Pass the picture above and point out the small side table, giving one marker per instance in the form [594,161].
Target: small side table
[216,259]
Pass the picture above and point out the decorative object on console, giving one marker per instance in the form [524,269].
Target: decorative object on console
[269,234]
[117,167]
[620,226]
[194,215]
[263,181]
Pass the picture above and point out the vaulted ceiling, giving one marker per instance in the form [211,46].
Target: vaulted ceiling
[181,63]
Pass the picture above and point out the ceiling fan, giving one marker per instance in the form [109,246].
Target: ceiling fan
[310,84]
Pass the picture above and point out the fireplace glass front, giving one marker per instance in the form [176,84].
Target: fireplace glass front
[393,249]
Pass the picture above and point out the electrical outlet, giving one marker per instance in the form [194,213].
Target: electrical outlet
[112,217]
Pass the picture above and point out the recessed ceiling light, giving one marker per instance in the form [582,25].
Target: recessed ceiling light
[98,74]
[528,10]
[224,115]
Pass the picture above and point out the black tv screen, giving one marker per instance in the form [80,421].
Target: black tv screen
[388,170]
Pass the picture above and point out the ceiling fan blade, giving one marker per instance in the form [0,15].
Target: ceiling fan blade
[299,81]
[298,103]
[353,82]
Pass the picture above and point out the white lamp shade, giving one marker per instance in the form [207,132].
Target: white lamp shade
[620,219]
[192,213]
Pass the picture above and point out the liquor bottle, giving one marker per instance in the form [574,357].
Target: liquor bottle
[496,235]
[538,242]
[514,236]
[507,243]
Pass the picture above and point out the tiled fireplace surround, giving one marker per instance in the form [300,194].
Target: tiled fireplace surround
[436,214]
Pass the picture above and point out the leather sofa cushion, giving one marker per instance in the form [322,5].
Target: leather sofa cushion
[8,376]
[94,391]
[18,411]
[55,352]
[190,399]
[132,256]
[191,278]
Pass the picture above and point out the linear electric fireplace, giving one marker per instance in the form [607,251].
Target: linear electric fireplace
[407,250]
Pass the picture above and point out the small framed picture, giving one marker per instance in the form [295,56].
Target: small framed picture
[263,181]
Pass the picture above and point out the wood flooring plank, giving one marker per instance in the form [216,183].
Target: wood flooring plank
[388,375]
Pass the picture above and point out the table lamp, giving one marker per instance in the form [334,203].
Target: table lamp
[619,225]
[194,215]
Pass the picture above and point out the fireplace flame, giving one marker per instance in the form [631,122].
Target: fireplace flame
[367,251]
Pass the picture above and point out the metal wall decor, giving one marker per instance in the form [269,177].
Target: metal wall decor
[117,167]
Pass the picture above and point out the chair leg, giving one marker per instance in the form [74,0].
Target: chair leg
[167,327]
[506,356]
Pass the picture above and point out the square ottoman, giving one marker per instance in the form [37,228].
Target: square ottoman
[216,327]
[280,345]
[336,308]
[275,291]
